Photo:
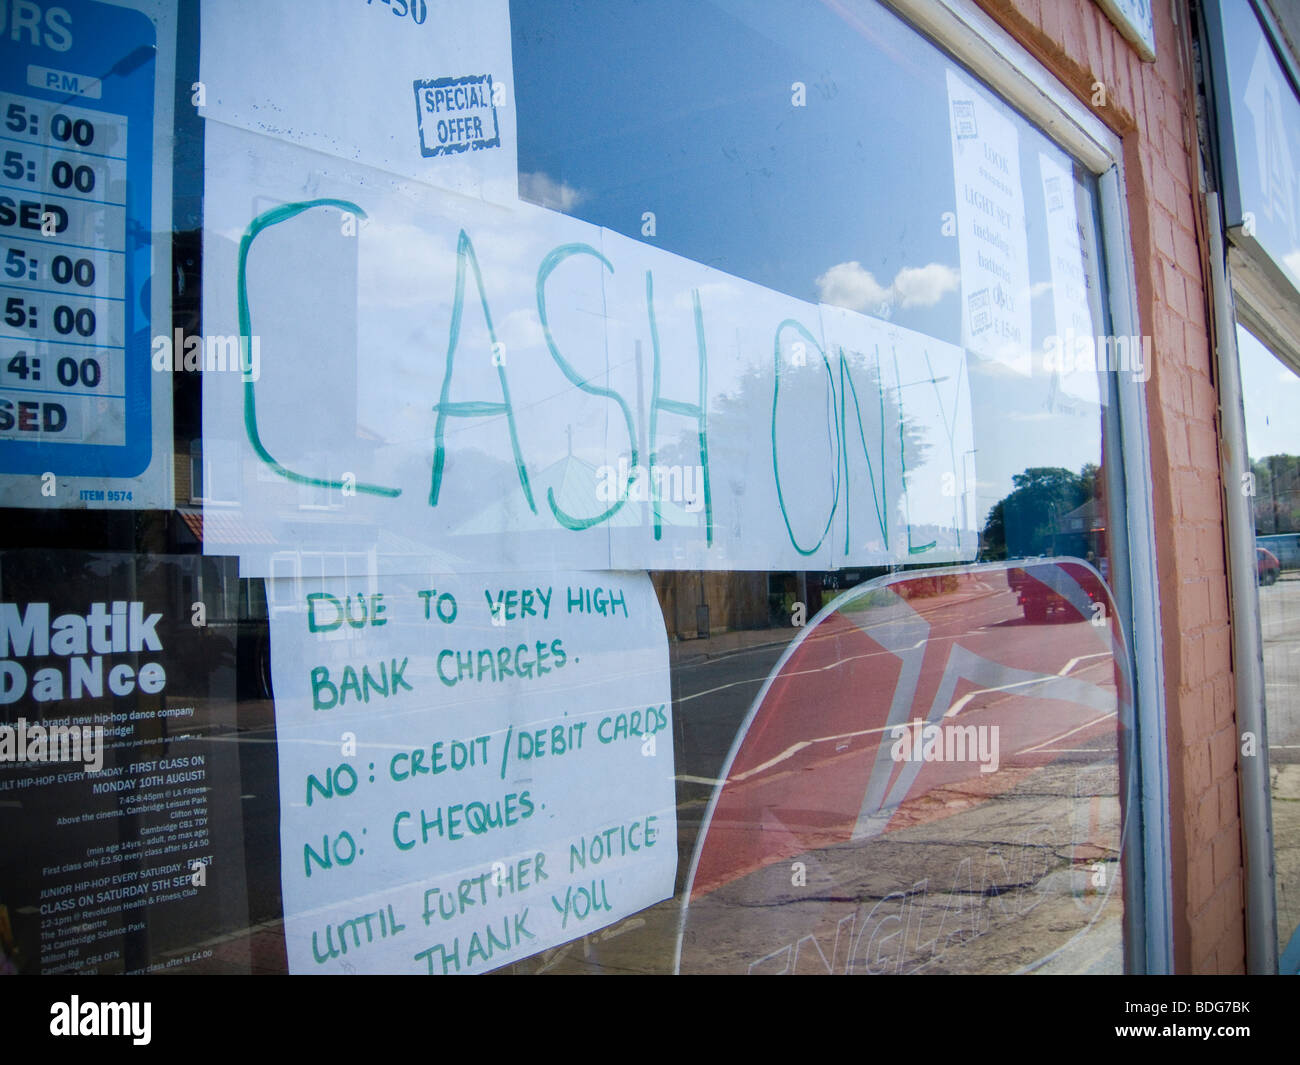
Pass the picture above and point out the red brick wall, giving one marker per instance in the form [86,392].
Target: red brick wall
[1150,105]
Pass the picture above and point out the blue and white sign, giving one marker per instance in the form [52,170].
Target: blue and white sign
[78,85]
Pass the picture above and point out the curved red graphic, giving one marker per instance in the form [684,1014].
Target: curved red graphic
[956,729]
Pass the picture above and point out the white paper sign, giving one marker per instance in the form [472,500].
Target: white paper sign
[991,226]
[426,95]
[909,485]
[1071,351]
[445,383]
[471,770]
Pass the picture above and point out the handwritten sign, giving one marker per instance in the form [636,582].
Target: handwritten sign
[512,388]
[472,769]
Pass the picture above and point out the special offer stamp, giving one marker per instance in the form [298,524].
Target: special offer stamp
[456,114]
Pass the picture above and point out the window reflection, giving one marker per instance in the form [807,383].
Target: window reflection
[1270,388]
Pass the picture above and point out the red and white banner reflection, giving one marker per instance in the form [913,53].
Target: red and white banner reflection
[931,779]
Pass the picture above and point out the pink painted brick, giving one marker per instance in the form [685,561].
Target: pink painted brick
[1196,749]
[1200,885]
[1227,855]
[1206,824]
[1223,754]
[1162,233]
[1218,648]
[1188,251]
[1172,288]
[1229,802]
[1204,444]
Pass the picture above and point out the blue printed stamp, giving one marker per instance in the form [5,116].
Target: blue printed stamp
[456,115]
[963,119]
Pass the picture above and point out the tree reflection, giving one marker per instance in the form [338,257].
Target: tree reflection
[1277,494]
[1030,520]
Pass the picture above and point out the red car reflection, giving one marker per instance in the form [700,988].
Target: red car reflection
[1038,599]
[1267,567]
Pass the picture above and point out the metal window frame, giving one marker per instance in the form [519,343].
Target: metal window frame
[1265,294]
[1250,290]
[969,34]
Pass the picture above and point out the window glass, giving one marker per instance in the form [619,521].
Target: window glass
[633,473]
[1264,114]
[1269,387]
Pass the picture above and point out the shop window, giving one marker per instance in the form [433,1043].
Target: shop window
[670,467]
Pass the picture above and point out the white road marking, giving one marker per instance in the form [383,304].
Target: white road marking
[1071,732]
[961,703]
